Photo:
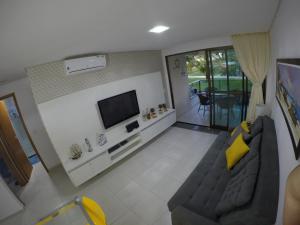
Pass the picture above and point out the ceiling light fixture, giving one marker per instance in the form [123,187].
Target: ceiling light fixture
[159,29]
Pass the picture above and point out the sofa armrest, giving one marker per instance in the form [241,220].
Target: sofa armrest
[183,216]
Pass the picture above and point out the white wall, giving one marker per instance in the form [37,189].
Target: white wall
[186,47]
[32,119]
[285,34]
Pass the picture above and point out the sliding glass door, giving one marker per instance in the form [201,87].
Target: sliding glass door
[229,92]
[208,87]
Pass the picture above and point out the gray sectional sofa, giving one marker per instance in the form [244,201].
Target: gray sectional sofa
[246,195]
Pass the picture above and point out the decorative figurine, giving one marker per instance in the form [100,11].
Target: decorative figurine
[160,108]
[145,114]
[153,113]
[164,107]
[101,139]
[76,151]
[149,116]
[90,149]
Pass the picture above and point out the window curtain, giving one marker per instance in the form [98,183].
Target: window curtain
[254,55]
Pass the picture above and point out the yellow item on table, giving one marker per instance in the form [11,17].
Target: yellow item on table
[236,151]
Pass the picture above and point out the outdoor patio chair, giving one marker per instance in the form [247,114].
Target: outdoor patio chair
[204,101]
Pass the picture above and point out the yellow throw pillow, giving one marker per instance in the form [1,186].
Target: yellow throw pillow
[243,125]
[236,151]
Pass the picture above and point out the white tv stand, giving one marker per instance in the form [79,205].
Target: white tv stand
[92,163]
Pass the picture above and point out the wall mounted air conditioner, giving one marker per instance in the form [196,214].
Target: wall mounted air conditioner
[84,64]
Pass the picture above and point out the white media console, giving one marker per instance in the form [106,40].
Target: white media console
[92,163]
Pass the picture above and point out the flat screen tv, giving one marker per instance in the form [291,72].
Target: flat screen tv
[118,108]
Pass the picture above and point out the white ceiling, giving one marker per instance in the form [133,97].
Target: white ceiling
[38,31]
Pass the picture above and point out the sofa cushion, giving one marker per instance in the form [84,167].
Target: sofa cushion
[240,187]
[239,130]
[236,151]
[254,146]
[243,125]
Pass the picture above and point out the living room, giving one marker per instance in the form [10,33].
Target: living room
[103,92]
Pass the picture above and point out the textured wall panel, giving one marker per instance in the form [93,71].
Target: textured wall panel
[48,81]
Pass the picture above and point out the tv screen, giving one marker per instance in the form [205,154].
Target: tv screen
[118,108]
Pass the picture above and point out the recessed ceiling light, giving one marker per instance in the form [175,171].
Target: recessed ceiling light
[159,29]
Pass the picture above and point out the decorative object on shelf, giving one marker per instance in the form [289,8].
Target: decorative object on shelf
[288,96]
[101,139]
[90,149]
[160,108]
[153,113]
[164,106]
[76,151]
[148,114]
[145,114]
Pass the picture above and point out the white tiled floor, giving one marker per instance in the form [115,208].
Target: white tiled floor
[134,192]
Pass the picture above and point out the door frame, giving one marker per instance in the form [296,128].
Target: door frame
[25,127]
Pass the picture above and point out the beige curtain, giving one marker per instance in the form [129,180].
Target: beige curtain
[254,55]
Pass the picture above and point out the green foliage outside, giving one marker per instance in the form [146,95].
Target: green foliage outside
[196,69]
